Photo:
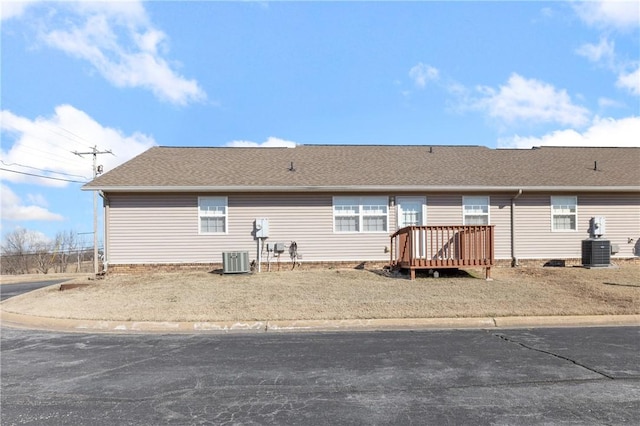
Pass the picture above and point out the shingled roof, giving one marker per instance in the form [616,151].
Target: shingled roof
[344,168]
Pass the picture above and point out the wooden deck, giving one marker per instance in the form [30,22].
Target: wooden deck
[439,247]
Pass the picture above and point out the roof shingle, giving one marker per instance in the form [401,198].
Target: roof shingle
[335,167]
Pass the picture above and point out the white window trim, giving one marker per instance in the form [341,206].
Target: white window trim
[551,204]
[361,214]
[225,215]
[423,200]
[464,211]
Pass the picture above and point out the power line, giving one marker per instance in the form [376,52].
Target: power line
[43,170]
[42,177]
[38,136]
[94,151]
[49,127]
[38,152]
[78,138]
[52,128]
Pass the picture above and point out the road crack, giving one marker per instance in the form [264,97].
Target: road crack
[553,354]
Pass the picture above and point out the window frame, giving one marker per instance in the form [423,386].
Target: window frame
[554,214]
[360,212]
[202,214]
[465,212]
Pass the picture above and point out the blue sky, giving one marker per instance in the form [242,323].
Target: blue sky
[125,76]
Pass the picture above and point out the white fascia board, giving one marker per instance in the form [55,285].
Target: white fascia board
[363,188]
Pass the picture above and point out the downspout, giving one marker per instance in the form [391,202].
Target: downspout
[105,237]
[514,259]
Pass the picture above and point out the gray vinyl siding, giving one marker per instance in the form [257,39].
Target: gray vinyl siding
[500,216]
[535,239]
[164,228]
[150,228]
[306,219]
[446,209]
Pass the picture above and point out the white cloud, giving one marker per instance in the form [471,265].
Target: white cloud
[421,74]
[45,145]
[13,8]
[529,100]
[13,208]
[601,52]
[547,12]
[614,14]
[127,12]
[630,81]
[271,142]
[118,39]
[603,132]
[37,199]
[609,103]
[604,53]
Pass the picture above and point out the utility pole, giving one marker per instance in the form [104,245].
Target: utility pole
[96,171]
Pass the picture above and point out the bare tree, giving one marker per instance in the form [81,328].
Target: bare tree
[44,254]
[15,251]
[9,264]
[66,244]
[24,250]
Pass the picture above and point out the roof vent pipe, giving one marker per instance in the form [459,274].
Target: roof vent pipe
[595,166]
[291,168]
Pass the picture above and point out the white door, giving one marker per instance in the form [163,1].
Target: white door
[411,211]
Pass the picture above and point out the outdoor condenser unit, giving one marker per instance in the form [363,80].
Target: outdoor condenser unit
[235,262]
[596,252]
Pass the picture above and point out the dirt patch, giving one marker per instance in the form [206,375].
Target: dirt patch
[341,294]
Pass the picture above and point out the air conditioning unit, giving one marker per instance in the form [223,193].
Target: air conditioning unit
[596,252]
[235,262]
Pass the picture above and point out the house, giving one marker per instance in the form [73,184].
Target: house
[186,206]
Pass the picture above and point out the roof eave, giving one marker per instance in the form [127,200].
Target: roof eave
[361,188]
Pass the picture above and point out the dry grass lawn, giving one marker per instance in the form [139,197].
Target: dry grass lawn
[340,294]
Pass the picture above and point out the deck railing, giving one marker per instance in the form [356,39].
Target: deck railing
[433,247]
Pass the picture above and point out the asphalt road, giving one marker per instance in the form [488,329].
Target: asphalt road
[10,290]
[540,376]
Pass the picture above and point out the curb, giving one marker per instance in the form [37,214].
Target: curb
[379,324]
[15,320]
[568,321]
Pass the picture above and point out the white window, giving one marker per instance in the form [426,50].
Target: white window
[374,214]
[346,214]
[212,213]
[475,210]
[564,213]
[360,214]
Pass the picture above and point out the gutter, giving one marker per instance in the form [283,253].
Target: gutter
[514,259]
[358,188]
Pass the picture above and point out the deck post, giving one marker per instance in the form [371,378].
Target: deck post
[487,273]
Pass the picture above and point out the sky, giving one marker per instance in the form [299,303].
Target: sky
[120,77]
